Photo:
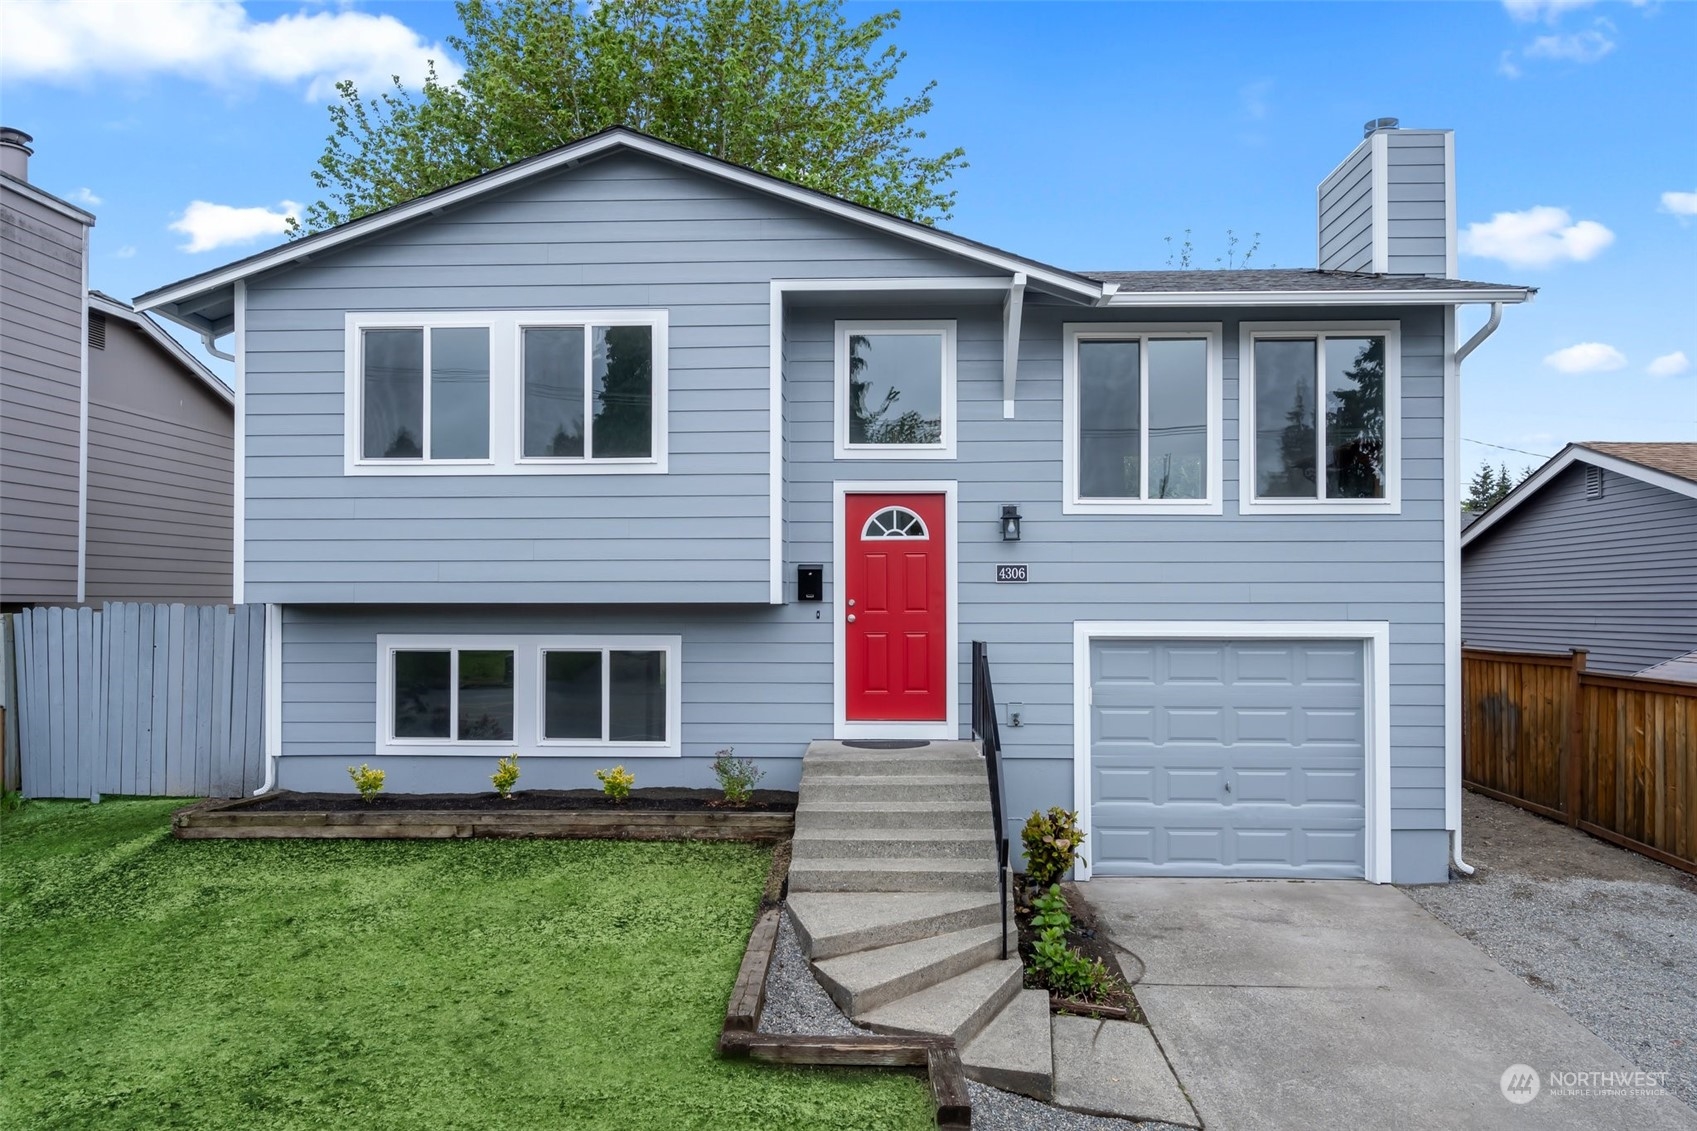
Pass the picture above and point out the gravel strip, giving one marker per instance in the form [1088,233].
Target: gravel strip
[1618,954]
[797,1004]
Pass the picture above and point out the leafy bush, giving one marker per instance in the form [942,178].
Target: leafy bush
[368,781]
[506,774]
[1067,972]
[616,783]
[737,776]
[1050,910]
[1052,841]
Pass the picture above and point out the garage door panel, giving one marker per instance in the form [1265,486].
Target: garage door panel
[1231,759]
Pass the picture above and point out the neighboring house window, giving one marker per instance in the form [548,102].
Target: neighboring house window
[1142,412]
[1320,416]
[497,392]
[538,694]
[895,390]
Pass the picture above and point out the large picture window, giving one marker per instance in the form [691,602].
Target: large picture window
[493,392]
[537,694]
[1320,410]
[1142,418]
[895,390]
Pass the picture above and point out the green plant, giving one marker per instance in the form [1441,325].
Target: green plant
[368,781]
[1067,972]
[1050,910]
[1052,841]
[506,774]
[737,776]
[615,783]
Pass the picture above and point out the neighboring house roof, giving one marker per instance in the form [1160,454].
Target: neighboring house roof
[47,199]
[1468,518]
[201,303]
[115,308]
[1680,668]
[1672,466]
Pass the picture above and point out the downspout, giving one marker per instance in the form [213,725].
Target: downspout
[209,340]
[1473,343]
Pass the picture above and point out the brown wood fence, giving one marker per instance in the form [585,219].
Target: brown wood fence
[1613,755]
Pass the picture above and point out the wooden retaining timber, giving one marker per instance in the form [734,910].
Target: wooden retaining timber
[237,820]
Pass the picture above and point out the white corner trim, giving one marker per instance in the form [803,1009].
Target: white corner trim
[1013,312]
[238,504]
[1247,503]
[841,727]
[847,328]
[82,432]
[1212,334]
[1452,578]
[1381,202]
[1375,637]
[272,695]
[1450,262]
[1559,463]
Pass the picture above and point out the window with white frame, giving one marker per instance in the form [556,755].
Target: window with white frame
[506,392]
[1321,420]
[895,390]
[1142,416]
[539,694]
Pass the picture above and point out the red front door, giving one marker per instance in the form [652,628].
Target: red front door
[895,609]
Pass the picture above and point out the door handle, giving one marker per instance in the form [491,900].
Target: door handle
[851,618]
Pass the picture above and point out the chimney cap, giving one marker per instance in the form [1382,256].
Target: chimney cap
[1374,124]
[12,136]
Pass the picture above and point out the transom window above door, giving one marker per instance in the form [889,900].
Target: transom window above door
[1320,421]
[895,390]
[506,392]
[1142,409]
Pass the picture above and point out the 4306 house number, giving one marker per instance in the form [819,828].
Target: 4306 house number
[1011,573]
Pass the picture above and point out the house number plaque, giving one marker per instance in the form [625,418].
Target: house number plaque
[1011,573]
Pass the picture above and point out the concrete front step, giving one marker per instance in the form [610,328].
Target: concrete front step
[828,924]
[826,749]
[903,762]
[885,844]
[893,815]
[958,1008]
[848,874]
[1114,1068]
[1013,1051]
[862,981]
[895,787]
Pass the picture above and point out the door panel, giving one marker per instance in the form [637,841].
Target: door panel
[895,655]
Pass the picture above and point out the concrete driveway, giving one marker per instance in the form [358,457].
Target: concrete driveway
[1328,1004]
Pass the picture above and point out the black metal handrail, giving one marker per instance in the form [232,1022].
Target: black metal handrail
[986,730]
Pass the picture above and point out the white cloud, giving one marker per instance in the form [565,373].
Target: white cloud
[1577,47]
[1530,11]
[1537,237]
[214,41]
[1669,365]
[1587,357]
[85,196]
[1253,97]
[1507,67]
[128,251]
[1681,204]
[210,226]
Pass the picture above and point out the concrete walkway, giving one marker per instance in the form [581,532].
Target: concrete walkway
[1343,1004]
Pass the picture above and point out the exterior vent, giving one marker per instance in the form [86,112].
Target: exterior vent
[1593,482]
[96,330]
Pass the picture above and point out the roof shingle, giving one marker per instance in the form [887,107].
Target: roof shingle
[1284,279]
[1674,458]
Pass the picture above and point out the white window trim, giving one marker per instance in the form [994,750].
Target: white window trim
[1375,637]
[945,449]
[528,703]
[1247,503]
[506,391]
[1074,332]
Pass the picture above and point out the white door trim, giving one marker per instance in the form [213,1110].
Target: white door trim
[840,726]
[1375,637]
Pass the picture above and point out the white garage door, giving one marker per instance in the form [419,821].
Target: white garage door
[1227,758]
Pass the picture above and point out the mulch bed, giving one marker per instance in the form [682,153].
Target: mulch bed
[1091,942]
[673,799]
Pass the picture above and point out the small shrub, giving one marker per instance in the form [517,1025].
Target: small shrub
[615,783]
[1067,972]
[1052,841]
[1050,910]
[506,775]
[368,781]
[737,776]
[12,800]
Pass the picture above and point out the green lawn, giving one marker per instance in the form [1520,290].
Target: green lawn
[150,983]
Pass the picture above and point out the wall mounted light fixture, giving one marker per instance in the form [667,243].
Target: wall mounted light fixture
[1010,522]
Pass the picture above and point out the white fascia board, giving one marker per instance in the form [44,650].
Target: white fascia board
[48,200]
[1560,462]
[1317,298]
[1064,282]
[165,342]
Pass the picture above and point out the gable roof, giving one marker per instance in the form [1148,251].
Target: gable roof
[195,289]
[1292,285]
[116,308]
[1672,466]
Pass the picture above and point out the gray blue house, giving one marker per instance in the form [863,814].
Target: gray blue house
[623,454]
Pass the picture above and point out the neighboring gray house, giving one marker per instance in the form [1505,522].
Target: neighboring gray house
[1596,550]
[626,454]
[117,461]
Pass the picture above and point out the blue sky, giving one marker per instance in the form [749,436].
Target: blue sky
[1093,131]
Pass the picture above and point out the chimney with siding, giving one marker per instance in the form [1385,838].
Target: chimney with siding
[14,152]
[1389,208]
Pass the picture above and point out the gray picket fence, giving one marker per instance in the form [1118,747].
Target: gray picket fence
[140,700]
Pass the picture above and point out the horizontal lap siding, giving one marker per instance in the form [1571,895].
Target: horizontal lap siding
[1136,568]
[1417,227]
[624,232]
[1346,215]
[1616,576]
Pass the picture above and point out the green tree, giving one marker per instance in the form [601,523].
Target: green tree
[788,87]
[1355,428]
[1482,492]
